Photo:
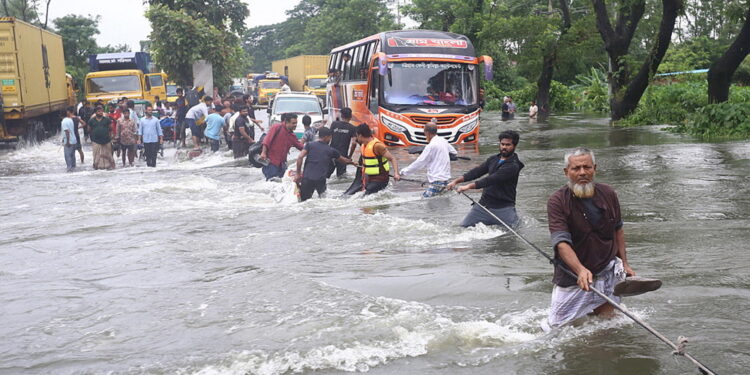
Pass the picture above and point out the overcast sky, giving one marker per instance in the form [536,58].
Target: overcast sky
[122,21]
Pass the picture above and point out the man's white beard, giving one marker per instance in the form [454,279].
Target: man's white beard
[582,190]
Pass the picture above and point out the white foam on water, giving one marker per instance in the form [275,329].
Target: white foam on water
[418,232]
[392,329]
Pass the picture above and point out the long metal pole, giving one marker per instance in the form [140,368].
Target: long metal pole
[677,350]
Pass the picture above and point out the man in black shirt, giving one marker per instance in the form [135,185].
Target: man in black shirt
[182,109]
[317,156]
[499,187]
[85,114]
[244,134]
[506,109]
[344,140]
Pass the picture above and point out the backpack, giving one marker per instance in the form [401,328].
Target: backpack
[192,98]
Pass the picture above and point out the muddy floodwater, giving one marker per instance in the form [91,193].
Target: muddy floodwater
[201,267]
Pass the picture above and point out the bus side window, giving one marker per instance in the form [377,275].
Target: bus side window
[346,60]
[363,62]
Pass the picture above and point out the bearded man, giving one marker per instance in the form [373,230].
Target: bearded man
[585,225]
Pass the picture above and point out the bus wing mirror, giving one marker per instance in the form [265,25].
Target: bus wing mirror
[487,67]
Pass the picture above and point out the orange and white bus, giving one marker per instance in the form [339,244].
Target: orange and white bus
[397,81]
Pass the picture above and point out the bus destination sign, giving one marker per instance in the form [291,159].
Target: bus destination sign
[426,42]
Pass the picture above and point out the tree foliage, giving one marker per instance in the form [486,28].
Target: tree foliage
[520,34]
[185,31]
[315,27]
[25,10]
[223,14]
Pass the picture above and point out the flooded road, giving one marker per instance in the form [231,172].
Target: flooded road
[200,266]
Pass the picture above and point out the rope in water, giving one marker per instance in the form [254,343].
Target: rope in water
[409,180]
[678,349]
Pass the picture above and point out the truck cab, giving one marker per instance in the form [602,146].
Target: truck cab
[130,83]
[267,89]
[316,84]
[128,74]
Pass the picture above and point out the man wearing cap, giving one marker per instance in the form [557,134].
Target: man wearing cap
[317,156]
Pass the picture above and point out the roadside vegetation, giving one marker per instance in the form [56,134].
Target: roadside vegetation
[598,56]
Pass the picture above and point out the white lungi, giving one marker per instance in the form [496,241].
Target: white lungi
[571,303]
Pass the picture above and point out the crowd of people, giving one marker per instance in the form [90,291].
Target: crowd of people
[585,222]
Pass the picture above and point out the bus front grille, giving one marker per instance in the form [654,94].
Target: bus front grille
[422,120]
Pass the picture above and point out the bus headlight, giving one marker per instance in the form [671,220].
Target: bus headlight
[392,125]
[469,126]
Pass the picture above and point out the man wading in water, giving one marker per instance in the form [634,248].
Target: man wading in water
[498,188]
[436,157]
[376,161]
[586,229]
[276,146]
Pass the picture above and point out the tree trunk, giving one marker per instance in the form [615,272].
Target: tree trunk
[721,71]
[5,8]
[625,92]
[617,40]
[637,86]
[544,83]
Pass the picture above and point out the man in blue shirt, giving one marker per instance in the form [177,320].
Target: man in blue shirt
[150,135]
[214,125]
[68,129]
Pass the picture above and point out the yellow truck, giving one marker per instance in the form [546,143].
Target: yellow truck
[316,84]
[298,68]
[34,85]
[124,74]
[268,88]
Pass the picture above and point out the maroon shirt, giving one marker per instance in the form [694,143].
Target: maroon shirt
[569,221]
[278,142]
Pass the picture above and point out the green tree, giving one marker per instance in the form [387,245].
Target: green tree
[316,27]
[337,22]
[186,31]
[25,10]
[626,87]
[223,14]
[77,34]
[721,71]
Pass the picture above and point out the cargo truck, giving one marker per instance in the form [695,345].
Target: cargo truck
[124,74]
[316,84]
[34,90]
[298,68]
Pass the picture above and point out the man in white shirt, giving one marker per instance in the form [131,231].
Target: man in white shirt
[285,88]
[196,116]
[436,158]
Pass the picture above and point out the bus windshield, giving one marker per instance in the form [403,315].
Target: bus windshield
[317,83]
[171,90]
[114,84]
[430,83]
